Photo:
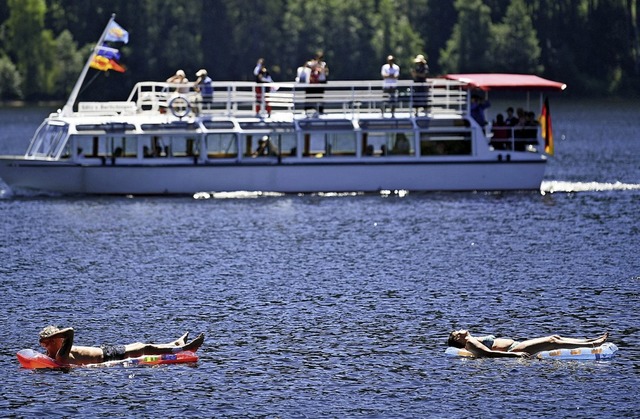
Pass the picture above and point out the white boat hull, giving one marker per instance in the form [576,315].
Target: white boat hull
[287,178]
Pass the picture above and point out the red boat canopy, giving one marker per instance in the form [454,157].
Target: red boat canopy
[498,81]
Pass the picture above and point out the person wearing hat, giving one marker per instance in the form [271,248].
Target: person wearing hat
[390,73]
[204,86]
[266,148]
[179,78]
[419,73]
[58,344]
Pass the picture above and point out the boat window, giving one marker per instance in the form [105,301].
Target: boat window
[176,125]
[213,125]
[375,143]
[49,140]
[267,126]
[442,123]
[325,125]
[222,145]
[284,144]
[169,146]
[93,146]
[320,144]
[445,143]
[90,146]
[386,124]
[110,127]
[122,146]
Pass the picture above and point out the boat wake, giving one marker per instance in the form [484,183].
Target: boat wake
[554,186]
[234,195]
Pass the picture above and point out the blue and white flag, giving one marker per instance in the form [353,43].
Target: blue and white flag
[116,33]
[108,52]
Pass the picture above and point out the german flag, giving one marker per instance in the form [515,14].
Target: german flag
[105,64]
[545,127]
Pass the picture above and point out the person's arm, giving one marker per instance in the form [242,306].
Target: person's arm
[478,349]
[67,334]
[258,67]
[384,72]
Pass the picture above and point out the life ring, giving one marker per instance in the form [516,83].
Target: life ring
[181,108]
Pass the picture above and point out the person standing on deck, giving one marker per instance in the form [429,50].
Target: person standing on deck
[419,73]
[390,73]
[204,85]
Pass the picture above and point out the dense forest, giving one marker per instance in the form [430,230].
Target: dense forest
[592,45]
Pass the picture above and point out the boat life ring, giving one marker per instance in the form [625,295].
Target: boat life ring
[179,106]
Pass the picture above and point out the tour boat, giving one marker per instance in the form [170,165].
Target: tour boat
[341,136]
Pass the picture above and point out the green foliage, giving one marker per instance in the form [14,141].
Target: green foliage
[594,46]
[10,80]
[27,42]
[468,49]
[516,48]
[68,64]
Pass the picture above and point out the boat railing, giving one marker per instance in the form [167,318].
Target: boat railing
[348,97]
[517,138]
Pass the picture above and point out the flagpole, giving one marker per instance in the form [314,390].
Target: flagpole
[68,107]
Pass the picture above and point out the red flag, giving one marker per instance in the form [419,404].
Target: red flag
[546,128]
[116,67]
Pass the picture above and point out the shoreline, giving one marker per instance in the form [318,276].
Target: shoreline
[31,104]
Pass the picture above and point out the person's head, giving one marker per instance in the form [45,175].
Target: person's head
[201,73]
[180,73]
[390,59]
[499,118]
[458,338]
[52,345]
[509,110]
[319,55]
[420,59]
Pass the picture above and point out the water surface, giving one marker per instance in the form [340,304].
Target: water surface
[335,305]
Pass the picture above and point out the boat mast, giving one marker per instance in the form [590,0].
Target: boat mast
[68,107]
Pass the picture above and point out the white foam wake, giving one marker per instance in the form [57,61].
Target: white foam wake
[562,186]
[234,195]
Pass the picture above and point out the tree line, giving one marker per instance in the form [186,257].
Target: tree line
[592,45]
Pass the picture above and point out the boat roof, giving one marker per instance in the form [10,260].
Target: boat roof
[504,81]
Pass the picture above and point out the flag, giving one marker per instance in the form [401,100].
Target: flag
[107,52]
[105,64]
[545,127]
[116,33]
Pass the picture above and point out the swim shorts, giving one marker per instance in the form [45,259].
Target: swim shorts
[112,352]
[512,346]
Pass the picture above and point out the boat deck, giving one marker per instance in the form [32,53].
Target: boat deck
[240,99]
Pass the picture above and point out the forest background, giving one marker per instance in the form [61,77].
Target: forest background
[592,45]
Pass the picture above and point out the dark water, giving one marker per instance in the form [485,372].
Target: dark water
[336,306]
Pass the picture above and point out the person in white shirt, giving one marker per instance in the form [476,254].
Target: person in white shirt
[390,73]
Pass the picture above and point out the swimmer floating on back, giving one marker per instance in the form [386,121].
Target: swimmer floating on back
[492,347]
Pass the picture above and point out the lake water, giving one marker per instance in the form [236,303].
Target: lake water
[335,306]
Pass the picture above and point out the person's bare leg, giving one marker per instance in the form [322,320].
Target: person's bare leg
[181,341]
[550,343]
[134,350]
[194,344]
[597,341]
